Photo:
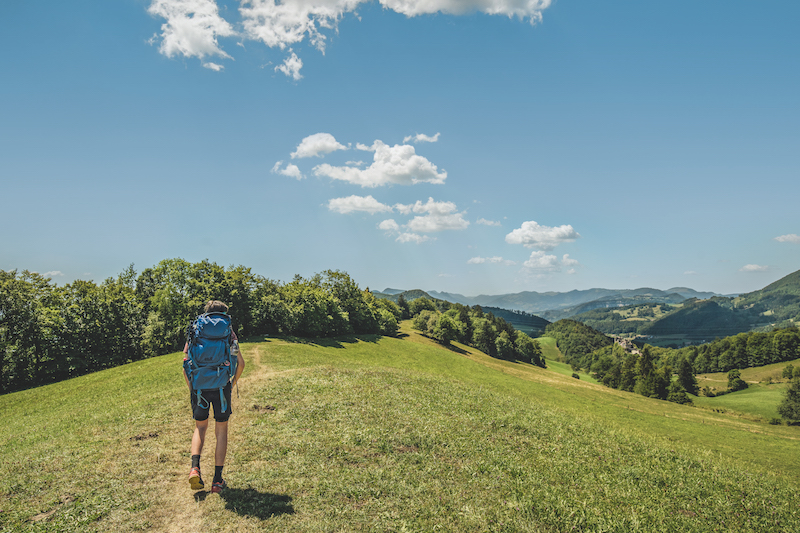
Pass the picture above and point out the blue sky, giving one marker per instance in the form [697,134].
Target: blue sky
[515,145]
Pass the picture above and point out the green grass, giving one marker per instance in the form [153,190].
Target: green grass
[759,401]
[549,348]
[388,434]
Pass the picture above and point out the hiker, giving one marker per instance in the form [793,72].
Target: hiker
[212,366]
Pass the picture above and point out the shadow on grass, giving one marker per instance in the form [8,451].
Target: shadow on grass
[335,342]
[261,505]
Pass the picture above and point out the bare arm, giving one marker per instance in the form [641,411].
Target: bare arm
[239,367]
[183,369]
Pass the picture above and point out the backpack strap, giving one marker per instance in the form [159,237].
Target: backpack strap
[200,400]
[222,401]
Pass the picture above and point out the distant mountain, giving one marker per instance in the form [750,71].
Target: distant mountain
[776,305]
[391,291]
[408,295]
[691,293]
[624,299]
[557,305]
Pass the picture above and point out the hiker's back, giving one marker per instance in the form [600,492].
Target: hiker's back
[210,363]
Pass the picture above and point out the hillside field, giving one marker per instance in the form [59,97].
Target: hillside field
[388,434]
[758,401]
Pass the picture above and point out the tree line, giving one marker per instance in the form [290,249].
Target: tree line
[49,332]
[447,322]
[745,350]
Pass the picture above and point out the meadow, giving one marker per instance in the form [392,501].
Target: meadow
[388,434]
[759,401]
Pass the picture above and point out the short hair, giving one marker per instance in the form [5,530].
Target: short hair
[215,306]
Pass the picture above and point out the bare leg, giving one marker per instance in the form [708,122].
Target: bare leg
[221,432]
[199,436]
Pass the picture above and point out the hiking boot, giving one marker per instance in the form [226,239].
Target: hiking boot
[217,486]
[195,481]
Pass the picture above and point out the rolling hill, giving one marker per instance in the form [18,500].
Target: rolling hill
[388,434]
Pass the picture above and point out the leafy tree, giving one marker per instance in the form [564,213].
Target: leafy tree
[29,326]
[484,336]
[420,304]
[447,329]
[627,380]
[528,350]
[314,311]
[404,308]
[735,382]
[786,344]
[645,370]
[351,300]
[504,346]
[788,371]
[789,408]
[676,393]
[387,322]
[686,376]
[425,321]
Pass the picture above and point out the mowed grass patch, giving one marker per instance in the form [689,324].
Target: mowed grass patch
[566,370]
[758,401]
[364,449]
[549,348]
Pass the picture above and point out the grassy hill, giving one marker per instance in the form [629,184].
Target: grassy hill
[388,434]
[758,401]
[778,303]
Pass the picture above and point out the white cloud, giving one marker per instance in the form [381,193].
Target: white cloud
[532,235]
[191,28]
[389,225]
[440,216]
[398,164]
[791,237]
[53,273]
[754,268]
[291,170]
[494,260]
[413,237]
[690,273]
[421,137]
[485,222]
[351,204]
[213,66]
[542,261]
[530,9]
[291,67]
[317,145]
[568,261]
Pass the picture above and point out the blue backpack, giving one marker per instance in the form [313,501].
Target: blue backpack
[210,363]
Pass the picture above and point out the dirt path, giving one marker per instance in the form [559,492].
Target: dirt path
[179,509]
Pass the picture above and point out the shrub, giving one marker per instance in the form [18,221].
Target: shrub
[576,376]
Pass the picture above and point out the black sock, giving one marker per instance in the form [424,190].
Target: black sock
[218,474]
[196,461]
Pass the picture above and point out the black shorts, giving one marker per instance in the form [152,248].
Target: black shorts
[209,398]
